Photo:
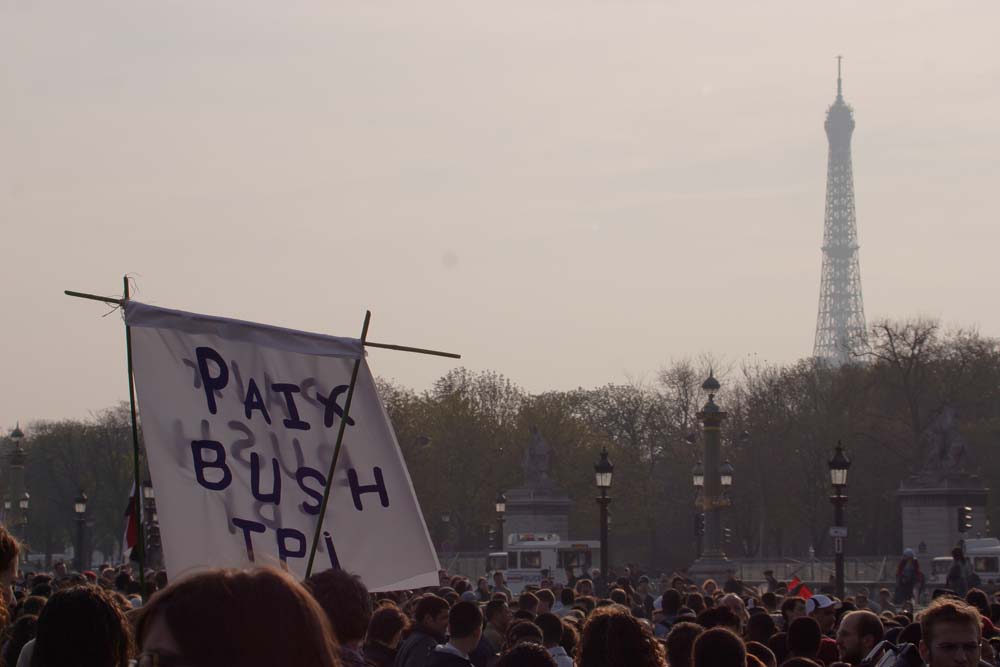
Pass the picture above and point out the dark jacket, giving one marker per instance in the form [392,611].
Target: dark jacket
[439,658]
[415,650]
[378,654]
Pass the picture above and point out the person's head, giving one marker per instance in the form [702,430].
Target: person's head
[251,618]
[32,605]
[957,554]
[431,614]
[950,632]
[709,586]
[521,631]
[527,654]
[824,610]
[567,596]
[671,602]
[760,627]
[345,600]
[21,633]
[977,598]
[612,636]
[719,617]
[465,624]
[770,601]
[546,598]
[804,637]
[642,588]
[10,551]
[498,614]
[736,605]
[619,596]
[527,602]
[387,625]
[718,647]
[857,635]
[551,627]
[82,626]
[584,587]
[762,653]
[695,602]
[680,641]
[59,569]
[498,578]
[792,607]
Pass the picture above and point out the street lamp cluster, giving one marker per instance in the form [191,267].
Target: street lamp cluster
[711,479]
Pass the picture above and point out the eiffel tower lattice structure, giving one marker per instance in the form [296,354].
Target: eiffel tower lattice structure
[840,322]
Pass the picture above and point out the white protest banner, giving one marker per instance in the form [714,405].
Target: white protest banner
[239,422]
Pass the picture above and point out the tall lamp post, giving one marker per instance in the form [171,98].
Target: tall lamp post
[698,479]
[501,507]
[717,476]
[17,458]
[24,504]
[602,477]
[839,465]
[80,510]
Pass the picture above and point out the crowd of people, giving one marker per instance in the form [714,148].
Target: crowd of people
[250,618]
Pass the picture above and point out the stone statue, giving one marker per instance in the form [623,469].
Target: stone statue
[536,460]
[946,451]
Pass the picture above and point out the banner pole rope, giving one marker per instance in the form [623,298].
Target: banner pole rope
[336,448]
[137,505]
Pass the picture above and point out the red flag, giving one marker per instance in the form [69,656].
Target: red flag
[803,591]
[131,537]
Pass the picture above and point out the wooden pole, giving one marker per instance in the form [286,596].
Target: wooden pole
[137,506]
[336,448]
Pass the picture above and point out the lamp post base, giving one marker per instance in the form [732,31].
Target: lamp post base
[711,566]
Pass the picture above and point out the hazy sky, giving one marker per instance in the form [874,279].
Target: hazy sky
[568,192]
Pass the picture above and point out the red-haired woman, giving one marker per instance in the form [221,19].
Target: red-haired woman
[250,618]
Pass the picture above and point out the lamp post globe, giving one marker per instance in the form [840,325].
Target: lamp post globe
[501,508]
[698,475]
[24,503]
[726,472]
[839,467]
[80,504]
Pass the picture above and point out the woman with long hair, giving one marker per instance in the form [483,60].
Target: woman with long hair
[613,637]
[250,618]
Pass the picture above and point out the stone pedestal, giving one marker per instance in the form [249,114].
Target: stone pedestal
[930,513]
[537,510]
[710,567]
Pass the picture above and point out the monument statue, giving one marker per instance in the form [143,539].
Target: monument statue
[536,461]
[946,451]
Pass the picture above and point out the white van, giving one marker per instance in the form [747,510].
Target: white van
[983,553]
[531,557]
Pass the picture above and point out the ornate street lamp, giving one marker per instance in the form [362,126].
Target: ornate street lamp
[839,465]
[24,503]
[726,472]
[698,475]
[501,507]
[80,509]
[603,470]
[716,476]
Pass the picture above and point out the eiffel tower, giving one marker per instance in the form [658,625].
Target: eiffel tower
[840,323]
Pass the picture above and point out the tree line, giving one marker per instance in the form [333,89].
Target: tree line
[464,437]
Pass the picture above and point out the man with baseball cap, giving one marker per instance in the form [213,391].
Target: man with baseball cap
[823,608]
